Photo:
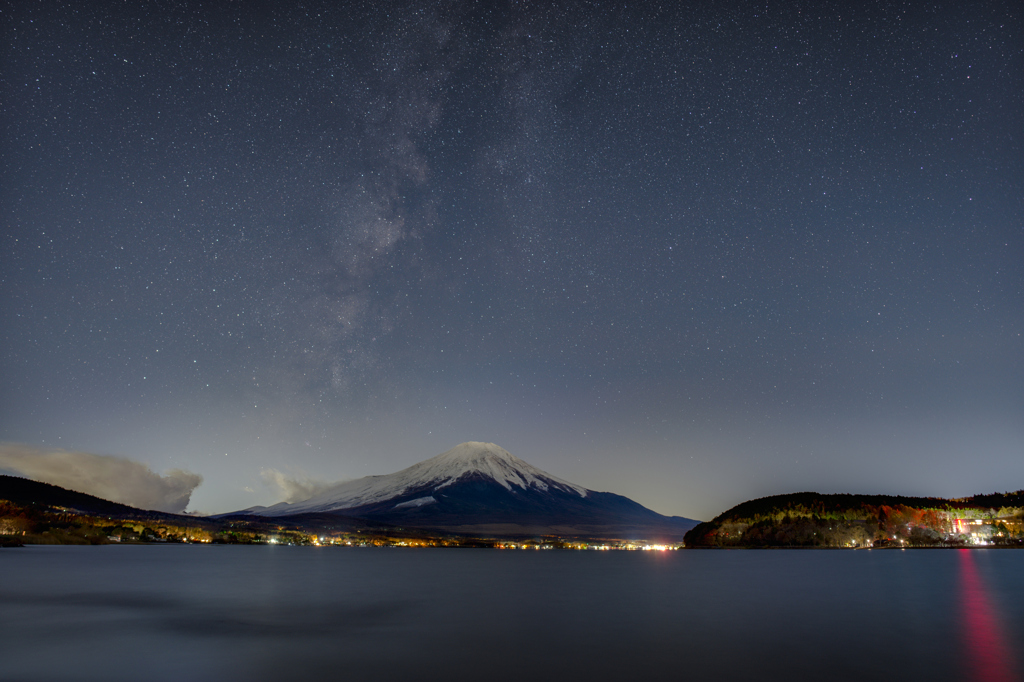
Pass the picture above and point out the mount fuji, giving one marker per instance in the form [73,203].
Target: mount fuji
[482,488]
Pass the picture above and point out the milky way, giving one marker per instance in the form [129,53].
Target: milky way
[690,255]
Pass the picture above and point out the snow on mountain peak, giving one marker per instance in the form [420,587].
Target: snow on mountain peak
[492,461]
[484,459]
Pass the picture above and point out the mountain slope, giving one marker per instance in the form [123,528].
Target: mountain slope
[25,492]
[480,487]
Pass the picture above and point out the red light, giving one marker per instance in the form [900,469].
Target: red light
[988,656]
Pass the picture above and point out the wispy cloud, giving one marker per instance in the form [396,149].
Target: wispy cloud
[112,478]
[295,489]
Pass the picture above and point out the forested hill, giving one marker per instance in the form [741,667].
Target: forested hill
[816,520]
[24,492]
[839,503]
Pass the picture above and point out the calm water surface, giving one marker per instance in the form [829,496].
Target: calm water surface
[214,613]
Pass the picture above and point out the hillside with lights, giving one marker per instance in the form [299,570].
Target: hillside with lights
[862,521]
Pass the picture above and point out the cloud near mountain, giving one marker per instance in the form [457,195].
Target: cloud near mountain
[111,478]
[295,489]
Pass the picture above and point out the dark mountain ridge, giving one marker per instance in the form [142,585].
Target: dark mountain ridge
[26,492]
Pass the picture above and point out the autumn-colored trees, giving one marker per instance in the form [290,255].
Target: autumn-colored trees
[814,520]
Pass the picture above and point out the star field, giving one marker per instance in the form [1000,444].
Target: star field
[688,254]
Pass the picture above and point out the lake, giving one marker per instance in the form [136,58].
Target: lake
[223,613]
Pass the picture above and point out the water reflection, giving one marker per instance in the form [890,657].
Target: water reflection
[255,614]
[988,656]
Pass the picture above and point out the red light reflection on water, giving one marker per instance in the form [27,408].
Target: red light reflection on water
[988,655]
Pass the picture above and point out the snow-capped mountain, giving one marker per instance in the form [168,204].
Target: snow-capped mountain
[481,487]
[482,459]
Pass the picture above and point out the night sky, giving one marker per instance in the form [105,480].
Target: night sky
[688,254]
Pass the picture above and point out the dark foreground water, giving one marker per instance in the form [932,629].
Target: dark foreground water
[196,613]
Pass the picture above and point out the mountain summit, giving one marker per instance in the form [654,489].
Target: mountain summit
[482,488]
